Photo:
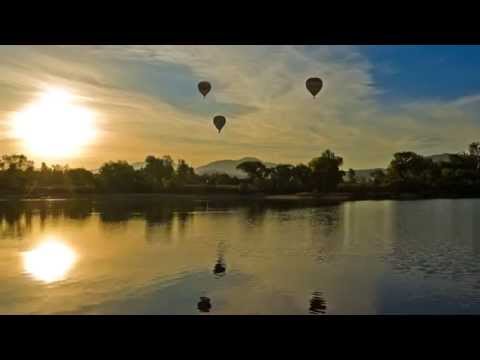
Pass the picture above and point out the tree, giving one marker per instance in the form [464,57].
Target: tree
[157,172]
[474,152]
[474,149]
[16,162]
[219,179]
[254,169]
[43,176]
[326,173]
[18,174]
[408,166]
[257,174]
[184,173]
[80,179]
[57,175]
[282,178]
[118,176]
[378,176]
[303,176]
[352,176]
[159,168]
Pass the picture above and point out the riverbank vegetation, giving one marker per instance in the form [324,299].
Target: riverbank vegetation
[407,173]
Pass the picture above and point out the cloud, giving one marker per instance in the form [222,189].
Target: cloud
[147,101]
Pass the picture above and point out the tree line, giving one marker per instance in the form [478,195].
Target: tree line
[407,172]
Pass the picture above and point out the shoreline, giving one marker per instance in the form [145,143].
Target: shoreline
[292,198]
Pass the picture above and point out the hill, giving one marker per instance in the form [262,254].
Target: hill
[227,167]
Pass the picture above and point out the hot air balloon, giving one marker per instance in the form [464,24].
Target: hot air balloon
[314,85]
[219,122]
[204,87]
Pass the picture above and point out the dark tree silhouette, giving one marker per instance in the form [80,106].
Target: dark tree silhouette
[407,166]
[185,173]
[352,176]
[326,173]
[378,176]
[254,169]
[158,172]
[474,152]
[118,177]
[458,175]
[303,177]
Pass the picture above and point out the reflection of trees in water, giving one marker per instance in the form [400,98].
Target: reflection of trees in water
[115,211]
[324,222]
[78,210]
[204,305]
[255,214]
[326,219]
[153,212]
[318,305]
[476,228]
[183,218]
[15,220]
[160,219]
[16,217]
[158,222]
[158,215]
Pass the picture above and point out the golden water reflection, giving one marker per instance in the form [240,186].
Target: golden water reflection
[169,255]
[50,261]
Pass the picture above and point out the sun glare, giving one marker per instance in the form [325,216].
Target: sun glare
[50,261]
[54,125]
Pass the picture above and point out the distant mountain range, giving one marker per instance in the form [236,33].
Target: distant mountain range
[228,167]
[440,157]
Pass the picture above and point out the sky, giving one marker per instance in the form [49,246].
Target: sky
[143,100]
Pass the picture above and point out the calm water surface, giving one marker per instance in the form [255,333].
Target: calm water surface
[194,256]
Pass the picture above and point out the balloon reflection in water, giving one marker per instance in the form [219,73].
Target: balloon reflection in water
[220,267]
[204,304]
[317,304]
[50,261]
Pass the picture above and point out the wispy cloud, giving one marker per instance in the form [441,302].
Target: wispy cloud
[148,103]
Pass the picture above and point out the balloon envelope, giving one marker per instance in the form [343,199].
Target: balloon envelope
[314,85]
[219,122]
[204,87]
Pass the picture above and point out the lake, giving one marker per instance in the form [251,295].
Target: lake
[192,255]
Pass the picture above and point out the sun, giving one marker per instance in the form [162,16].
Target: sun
[54,125]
